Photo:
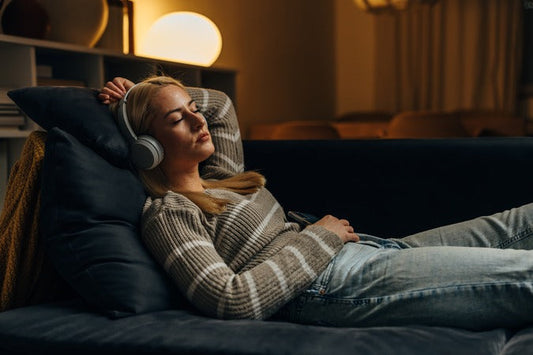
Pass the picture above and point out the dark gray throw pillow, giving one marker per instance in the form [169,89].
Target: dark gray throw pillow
[91,204]
[77,111]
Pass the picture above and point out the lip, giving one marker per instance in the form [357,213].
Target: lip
[203,137]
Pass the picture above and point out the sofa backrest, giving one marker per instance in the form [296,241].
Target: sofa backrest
[393,188]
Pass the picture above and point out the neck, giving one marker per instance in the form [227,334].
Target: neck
[188,180]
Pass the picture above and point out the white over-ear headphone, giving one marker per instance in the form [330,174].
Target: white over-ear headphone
[145,151]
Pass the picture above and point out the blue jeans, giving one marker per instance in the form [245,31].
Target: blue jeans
[476,275]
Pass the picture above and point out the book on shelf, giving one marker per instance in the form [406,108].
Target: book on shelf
[12,121]
[9,110]
[10,114]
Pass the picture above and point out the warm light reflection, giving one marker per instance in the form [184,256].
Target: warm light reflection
[185,37]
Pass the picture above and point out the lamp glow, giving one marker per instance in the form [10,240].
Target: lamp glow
[185,37]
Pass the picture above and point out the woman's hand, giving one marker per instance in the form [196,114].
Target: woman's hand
[341,227]
[115,90]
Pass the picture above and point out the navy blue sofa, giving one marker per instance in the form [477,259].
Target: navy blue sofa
[385,187]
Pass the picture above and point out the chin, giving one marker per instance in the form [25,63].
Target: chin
[208,151]
[211,148]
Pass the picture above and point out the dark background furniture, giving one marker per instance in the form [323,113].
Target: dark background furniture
[385,187]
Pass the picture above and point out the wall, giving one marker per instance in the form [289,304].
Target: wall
[283,51]
[355,49]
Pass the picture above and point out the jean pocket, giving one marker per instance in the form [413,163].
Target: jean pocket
[320,284]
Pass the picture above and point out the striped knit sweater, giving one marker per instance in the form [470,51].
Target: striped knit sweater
[246,262]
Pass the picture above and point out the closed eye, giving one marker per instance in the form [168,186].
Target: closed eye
[194,107]
[176,115]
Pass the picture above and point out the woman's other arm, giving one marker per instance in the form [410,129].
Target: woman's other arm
[175,231]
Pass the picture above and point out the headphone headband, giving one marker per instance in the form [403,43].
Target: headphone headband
[123,119]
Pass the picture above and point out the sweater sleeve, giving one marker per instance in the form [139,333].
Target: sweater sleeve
[175,232]
[221,117]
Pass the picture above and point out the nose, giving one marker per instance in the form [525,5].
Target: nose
[197,120]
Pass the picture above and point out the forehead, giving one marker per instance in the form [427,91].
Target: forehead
[171,96]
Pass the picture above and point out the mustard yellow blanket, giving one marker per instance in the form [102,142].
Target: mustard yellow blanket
[21,252]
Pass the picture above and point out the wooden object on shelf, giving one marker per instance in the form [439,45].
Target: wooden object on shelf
[118,34]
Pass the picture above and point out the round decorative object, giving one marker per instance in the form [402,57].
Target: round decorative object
[26,18]
[200,41]
[77,21]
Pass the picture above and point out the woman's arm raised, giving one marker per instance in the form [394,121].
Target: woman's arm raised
[221,118]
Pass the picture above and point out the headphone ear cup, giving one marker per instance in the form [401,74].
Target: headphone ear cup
[146,152]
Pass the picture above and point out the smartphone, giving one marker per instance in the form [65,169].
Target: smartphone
[304,219]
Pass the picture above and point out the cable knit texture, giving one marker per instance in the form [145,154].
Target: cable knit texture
[21,253]
[246,262]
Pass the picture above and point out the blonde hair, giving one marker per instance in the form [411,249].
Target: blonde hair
[141,111]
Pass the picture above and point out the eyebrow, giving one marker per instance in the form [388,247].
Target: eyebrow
[179,109]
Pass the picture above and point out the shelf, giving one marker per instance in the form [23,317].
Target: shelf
[30,42]
[14,133]
[23,60]
[66,54]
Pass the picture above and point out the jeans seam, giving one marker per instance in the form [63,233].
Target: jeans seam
[516,238]
[410,294]
[325,281]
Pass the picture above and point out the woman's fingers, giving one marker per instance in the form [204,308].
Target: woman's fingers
[112,90]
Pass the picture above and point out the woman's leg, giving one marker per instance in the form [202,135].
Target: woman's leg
[511,229]
[473,288]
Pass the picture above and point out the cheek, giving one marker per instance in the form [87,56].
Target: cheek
[173,144]
[169,139]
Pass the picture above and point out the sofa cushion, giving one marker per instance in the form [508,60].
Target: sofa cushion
[91,204]
[183,332]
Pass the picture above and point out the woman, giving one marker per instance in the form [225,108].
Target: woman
[230,249]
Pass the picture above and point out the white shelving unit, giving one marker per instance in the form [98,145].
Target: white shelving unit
[20,58]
